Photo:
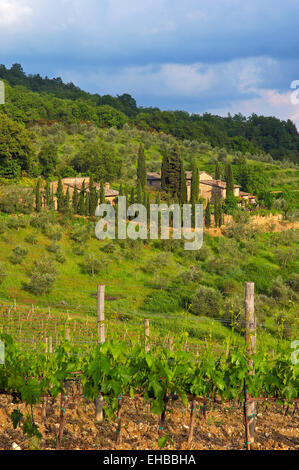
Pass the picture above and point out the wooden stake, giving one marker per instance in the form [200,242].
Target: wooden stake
[146,335]
[250,335]
[101,315]
[101,340]
[191,423]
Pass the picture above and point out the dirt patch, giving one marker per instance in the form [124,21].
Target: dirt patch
[221,428]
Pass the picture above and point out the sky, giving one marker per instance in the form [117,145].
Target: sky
[218,56]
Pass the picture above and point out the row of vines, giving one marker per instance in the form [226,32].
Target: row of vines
[161,376]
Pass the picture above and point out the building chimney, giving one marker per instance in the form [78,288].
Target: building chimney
[107,185]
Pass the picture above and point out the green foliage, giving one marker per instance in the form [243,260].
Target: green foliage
[19,253]
[16,148]
[43,277]
[16,199]
[206,301]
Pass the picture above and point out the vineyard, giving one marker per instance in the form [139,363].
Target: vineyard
[161,380]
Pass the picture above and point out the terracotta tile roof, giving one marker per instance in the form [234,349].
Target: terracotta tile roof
[218,183]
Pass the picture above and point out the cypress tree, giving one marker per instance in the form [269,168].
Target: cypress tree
[82,199]
[217,171]
[141,167]
[208,215]
[216,210]
[171,172]
[60,196]
[132,197]
[52,201]
[148,208]
[220,214]
[38,200]
[93,197]
[139,193]
[48,195]
[164,172]
[67,199]
[194,183]
[231,202]
[229,180]
[102,192]
[75,200]
[183,186]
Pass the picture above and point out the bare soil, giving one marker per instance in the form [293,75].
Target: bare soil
[221,428]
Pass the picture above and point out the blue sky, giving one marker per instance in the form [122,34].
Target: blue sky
[214,56]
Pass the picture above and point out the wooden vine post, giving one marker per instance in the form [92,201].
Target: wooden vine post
[101,340]
[250,336]
[146,334]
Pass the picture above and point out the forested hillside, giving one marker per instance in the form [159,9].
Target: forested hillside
[52,100]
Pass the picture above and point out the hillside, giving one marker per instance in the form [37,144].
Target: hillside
[52,100]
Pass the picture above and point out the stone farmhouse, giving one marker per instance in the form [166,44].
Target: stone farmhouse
[208,187]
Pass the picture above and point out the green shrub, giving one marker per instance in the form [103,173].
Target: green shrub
[14,199]
[93,264]
[3,273]
[43,220]
[31,238]
[293,282]
[18,255]
[43,277]
[206,301]
[53,248]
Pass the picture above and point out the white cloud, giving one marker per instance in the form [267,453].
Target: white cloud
[268,103]
[13,12]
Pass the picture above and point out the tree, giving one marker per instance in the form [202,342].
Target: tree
[208,215]
[82,199]
[48,159]
[171,173]
[93,197]
[48,195]
[229,180]
[38,199]
[102,192]
[231,202]
[195,183]
[43,276]
[141,167]
[67,199]
[139,193]
[217,171]
[164,172]
[216,210]
[183,186]
[17,151]
[75,200]
[60,196]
